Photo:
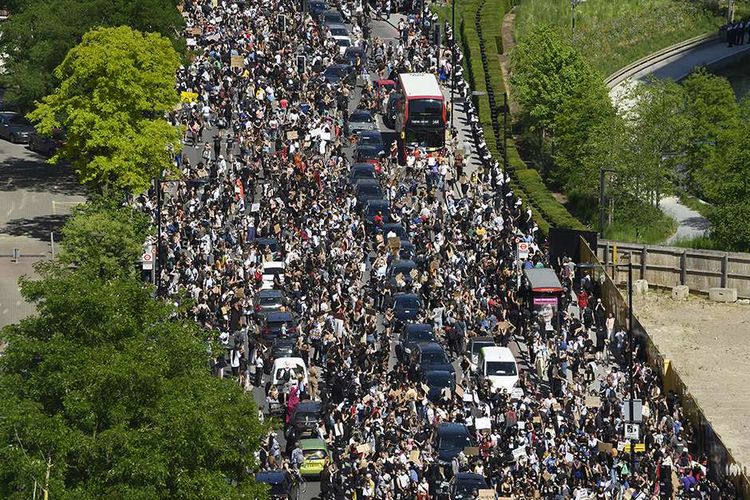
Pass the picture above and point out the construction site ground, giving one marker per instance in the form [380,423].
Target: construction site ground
[709,345]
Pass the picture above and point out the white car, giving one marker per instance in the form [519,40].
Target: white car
[270,271]
[498,365]
[286,371]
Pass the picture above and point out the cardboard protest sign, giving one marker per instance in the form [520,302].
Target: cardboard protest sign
[486,494]
[363,448]
[483,423]
[471,451]
[519,452]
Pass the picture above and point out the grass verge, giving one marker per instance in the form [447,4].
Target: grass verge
[525,182]
[698,243]
[694,203]
[613,34]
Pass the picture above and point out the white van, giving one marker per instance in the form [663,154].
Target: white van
[270,271]
[498,365]
[285,372]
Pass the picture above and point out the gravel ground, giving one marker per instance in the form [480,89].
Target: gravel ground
[708,345]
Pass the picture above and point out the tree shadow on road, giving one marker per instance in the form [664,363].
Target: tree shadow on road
[34,174]
[36,227]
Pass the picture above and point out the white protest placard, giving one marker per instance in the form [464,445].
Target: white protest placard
[519,452]
[483,423]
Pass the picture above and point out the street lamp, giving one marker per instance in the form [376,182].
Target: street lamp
[602,171]
[573,5]
[453,56]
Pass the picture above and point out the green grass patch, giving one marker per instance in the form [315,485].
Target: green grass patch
[698,243]
[547,211]
[694,203]
[638,222]
[612,34]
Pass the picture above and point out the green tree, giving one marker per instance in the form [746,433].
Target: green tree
[39,33]
[105,391]
[546,72]
[115,88]
[105,234]
[712,114]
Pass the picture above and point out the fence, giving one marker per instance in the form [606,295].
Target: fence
[722,465]
[670,266]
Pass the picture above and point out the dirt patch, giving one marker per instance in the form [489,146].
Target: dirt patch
[709,346]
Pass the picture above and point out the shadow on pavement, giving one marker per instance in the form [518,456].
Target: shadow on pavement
[36,227]
[36,175]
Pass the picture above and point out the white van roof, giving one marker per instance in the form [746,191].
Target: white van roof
[288,363]
[496,353]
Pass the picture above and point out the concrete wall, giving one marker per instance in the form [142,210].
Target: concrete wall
[670,266]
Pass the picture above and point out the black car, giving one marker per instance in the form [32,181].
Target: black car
[407,250]
[406,307]
[452,438]
[316,7]
[403,268]
[430,356]
[45,145]
[368,153]
[277,324]
[352,53]
[367,189]
[14,127]
[411,335]
[362,171]
[270,243]
[391,108]
[267,301]
[280,484]
[437,381]
[281,347]
[361,120]
[370,138]
[466,486]
[396,228]
[307,418]
[331,17]
[371,209]
[336,74]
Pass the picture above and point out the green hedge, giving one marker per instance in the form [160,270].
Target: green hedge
[526,183]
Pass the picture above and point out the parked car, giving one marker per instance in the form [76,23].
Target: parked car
[14,127]
[361,119]
[275,324]
[336,74]
[267,301]
[437,382]
[362,171]
[281,484]
[331,16]
[431,356]
[307,418]
[390,110]
[452,438]
[281,347]
[45,145]
[406,307]
[352,53]
[372,209]
[411,335]
[398,275]
[273,274]
[498,366]
[475,346]
[315,452]
[367,189]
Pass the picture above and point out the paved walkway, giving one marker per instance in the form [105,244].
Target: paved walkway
[691,223]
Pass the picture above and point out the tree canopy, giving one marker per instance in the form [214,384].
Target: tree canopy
[108,391]
[39,33]
[115,87]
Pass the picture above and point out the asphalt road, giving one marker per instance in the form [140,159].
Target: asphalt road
[35,199]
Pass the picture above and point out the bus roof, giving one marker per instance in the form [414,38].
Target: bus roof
[420,85]
[543,280]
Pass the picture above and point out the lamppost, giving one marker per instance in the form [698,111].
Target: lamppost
[573,5]
[602,171]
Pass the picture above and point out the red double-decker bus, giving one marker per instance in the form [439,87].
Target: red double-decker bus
[421,115]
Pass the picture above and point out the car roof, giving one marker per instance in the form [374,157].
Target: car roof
[378,202]
[309,406]
[336,25]
[406,295]
[482,339]
[370,133]
[279,316]
[288,362]
[431,346]
[368,182]
[497,353]
[368,148]
[404,262]
[452,428]
[313,444]
[417,327]
[360,112]
[338,66]
[472,478]
[284,340]
[355,49]
[440,373]
[362,166]
[270,476]
[271,293]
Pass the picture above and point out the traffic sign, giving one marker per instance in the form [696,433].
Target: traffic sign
[147,259]
[639,447]
[632,431]
[637,415]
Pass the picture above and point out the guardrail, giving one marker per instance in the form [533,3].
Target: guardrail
[643,63]
[670,266]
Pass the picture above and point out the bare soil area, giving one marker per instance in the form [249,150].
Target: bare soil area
[709,345]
